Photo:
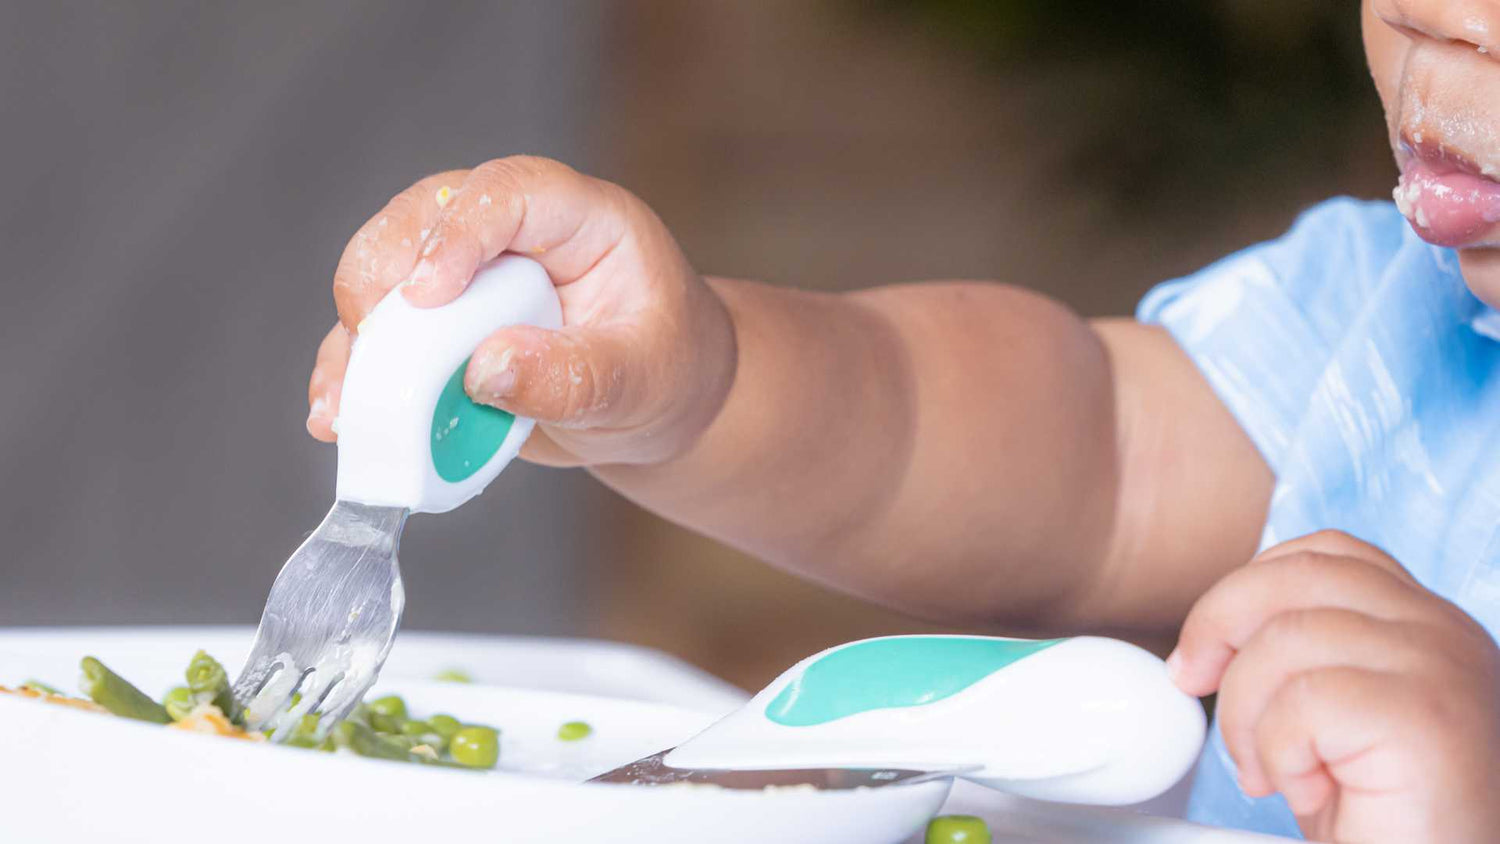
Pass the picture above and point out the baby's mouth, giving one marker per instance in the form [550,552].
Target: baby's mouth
[1449,200]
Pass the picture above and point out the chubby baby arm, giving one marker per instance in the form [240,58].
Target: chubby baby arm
[967,451]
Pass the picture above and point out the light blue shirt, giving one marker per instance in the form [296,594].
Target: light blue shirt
[1368,376]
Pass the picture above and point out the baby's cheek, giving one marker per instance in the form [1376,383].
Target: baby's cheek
[1385,51]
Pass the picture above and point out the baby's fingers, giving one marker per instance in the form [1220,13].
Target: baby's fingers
[1232,611]
[327,384]
[534,206]
[384,250]
[1320,727]
[1292,644]
[569,378]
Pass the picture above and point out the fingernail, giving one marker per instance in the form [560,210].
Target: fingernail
[1174,665]
[318,419]
[421,276]
[499,378]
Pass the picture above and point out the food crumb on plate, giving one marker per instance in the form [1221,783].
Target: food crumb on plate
[49,697]
[207,718]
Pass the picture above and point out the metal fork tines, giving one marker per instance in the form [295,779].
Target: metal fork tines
[328,623]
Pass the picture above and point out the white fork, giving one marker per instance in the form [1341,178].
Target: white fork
[410,441]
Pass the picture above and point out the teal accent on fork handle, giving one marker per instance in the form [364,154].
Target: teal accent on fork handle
[896,672]
[465,435]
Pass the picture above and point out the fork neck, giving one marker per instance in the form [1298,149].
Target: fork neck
[367,525]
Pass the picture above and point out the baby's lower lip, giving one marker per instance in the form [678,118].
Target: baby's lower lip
[1447,206]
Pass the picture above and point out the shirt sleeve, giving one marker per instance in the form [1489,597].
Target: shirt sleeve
[1262,324]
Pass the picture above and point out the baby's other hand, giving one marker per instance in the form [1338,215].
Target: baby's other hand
[646,353]
[1370,703]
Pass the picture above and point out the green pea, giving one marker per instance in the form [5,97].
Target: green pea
[444,725]
[574,731]
[416,728]
[179,702]
[453,675]
[391,706]
[957,829]
[475,747]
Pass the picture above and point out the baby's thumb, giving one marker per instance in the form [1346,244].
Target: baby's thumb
[574,377]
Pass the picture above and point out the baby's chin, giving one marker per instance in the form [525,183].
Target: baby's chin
[1481,269]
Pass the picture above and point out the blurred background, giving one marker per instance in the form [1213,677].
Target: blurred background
[177,181]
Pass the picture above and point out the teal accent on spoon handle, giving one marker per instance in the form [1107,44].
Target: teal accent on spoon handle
[465,434]
[896,672]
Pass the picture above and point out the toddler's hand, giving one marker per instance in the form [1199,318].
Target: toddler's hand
[1369,702]
[647,351]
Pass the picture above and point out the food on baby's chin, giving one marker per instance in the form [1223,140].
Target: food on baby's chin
[380,729]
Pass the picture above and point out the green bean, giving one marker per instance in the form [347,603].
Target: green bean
[305,735]
[957,829]
[210,684]
[366,742]
[385,724]
[178,702]
[360,714]
[307,725]
[39,686]
[574,731]
[453,675]
[418,729]
[475,747]
[112,692]
[421,732]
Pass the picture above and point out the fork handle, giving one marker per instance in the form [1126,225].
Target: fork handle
[409,436]
[1081,720]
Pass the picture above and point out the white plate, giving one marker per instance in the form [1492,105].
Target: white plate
[69,776]
[156,656]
